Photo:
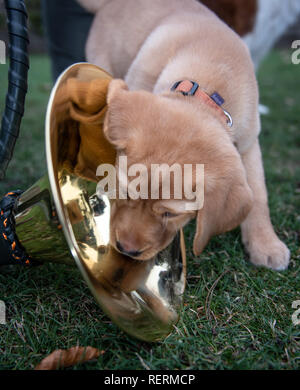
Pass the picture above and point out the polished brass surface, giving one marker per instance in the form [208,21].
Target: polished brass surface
[62,219]
[38,227]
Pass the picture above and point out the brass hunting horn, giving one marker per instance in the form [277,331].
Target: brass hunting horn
[63,219]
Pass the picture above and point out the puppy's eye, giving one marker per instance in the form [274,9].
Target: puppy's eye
[167,214]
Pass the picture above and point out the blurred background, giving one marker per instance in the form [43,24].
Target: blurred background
[36,31]
[38,41]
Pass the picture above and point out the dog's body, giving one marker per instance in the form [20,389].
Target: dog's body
[152,45]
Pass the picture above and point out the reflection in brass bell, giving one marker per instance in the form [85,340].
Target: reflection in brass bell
[62,219]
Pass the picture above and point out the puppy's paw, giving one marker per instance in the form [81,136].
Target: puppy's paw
[271,253]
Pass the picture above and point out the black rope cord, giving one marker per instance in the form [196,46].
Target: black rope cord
[17,80]
[11,250]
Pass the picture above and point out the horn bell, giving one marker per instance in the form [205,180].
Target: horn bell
[63,219]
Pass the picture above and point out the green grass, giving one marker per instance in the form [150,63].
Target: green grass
[28,163]
[250,324]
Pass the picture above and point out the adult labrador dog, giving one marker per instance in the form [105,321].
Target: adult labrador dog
[189,96]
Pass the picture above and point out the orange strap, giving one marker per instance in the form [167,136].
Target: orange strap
[190,88]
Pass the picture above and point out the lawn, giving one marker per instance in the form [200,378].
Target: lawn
[249,326]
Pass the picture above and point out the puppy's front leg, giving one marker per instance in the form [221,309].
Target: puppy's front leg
[258,234]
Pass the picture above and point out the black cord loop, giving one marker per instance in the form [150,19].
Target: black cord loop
[17,80]
[11,250]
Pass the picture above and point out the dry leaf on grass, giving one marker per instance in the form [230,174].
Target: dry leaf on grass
[62,358]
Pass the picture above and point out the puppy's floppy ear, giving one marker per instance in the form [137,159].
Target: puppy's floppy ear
[116,87]
[116,99]
[224,207]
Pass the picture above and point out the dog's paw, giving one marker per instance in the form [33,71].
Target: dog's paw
[271,253]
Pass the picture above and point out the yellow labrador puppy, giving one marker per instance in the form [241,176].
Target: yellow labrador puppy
[190,97]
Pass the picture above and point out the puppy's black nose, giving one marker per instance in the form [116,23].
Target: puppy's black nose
[132,253]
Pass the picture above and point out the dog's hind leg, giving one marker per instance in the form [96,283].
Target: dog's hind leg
[259,238]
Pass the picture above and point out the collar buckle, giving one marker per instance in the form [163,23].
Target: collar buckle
[191,88]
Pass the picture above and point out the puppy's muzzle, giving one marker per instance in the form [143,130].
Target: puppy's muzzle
[128,252]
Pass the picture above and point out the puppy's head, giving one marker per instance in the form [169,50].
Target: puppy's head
[148,129]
